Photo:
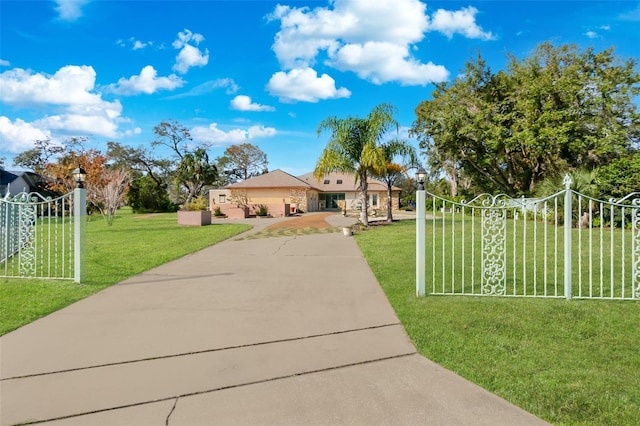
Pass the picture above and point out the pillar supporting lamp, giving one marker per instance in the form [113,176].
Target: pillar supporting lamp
[421,175]
[79,175]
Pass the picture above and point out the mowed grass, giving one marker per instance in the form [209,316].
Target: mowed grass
[568,362]
[134,244]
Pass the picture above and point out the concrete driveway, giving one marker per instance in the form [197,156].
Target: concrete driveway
[272,331]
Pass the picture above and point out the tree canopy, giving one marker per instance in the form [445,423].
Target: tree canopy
[557,110]
[354,147]
[241,162]
[393,171]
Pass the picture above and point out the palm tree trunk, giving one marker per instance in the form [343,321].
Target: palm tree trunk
[389,204]
[364,215]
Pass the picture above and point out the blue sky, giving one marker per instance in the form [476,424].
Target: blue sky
[258,71]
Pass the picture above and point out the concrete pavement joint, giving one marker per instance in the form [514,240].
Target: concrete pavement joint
[222,388]
[291,339]
[168,277]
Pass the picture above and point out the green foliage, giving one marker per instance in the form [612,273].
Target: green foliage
[217,211]
[39,156]
[241,162]
[556,110]
[198,203]
[138,244]
[566,362]
[146,196]
[621,176]
[393,172]
[354,147]
[194,172]
[262,210]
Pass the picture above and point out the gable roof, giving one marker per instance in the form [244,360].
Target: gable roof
[274,179]
[347,182]
[6,177]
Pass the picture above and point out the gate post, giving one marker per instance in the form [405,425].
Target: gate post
[567,237]
[80,225]
[420,237]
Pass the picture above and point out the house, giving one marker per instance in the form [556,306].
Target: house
[15,182]
[283,194]
[337,186]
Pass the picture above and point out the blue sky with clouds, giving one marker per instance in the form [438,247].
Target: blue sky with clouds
[258,71]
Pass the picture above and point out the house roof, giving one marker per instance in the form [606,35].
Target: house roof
[6,177]
[274,179]
[336,182]
[341,182]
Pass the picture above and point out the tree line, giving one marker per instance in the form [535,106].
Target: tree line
[139,177]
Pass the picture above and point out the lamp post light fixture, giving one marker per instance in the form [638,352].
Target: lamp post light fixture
[79,232]
[79,175]
[421,175]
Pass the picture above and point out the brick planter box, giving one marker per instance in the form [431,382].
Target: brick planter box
[194,218]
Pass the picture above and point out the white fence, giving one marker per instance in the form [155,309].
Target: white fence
[41,237]
[565,245]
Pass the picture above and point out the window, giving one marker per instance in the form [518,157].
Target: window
[222,198]
[339,181]
[374,200]
[326,182]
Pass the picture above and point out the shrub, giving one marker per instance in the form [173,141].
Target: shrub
[197,203]
[262,210]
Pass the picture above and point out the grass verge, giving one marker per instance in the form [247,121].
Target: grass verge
[571,362]
[134,244]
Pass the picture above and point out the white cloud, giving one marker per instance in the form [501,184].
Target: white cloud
[4,63]
[212,135]
[208,87]
[371,30]
[70,85]
[134,131]
[632,15]
[69,10]
[70,91]
[591,34]
[304,85]
[147,82]
[260,132]
[135,44]
[85,124]
[461,22]
[190,55]
[383,62]
[18,136]
[243,103]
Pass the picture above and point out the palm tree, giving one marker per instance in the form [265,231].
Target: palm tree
[354,148]
[393,171]
[194,172]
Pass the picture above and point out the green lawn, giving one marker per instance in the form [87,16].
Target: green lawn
[568,362]
[134,244]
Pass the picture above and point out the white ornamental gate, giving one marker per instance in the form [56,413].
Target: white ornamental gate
[42,237]
[565,245]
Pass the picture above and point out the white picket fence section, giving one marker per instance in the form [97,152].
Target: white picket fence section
[567,245]
[38,237]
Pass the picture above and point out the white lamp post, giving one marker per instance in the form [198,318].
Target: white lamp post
[421,175]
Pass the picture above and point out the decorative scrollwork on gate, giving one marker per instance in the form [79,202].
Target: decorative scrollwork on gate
[636,248]
[27,215]
[494,260]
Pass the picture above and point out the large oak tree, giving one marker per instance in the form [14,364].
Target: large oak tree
[554,111]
